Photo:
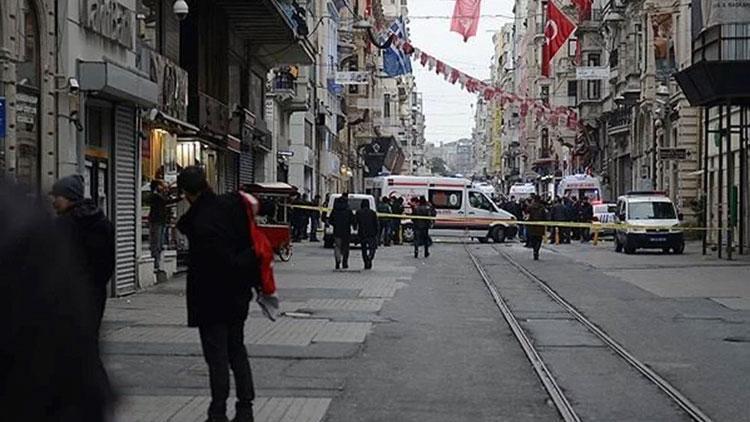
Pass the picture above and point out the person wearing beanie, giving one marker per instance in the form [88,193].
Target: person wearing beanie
[91,237]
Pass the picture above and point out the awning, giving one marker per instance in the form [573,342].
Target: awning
[275,187]
[713,83]
[181,127]
[110,79]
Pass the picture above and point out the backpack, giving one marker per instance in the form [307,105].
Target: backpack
[261,245]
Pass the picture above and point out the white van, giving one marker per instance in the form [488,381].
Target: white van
[459,206]
[645,210]
[521,191]
[355,203]
[580,185]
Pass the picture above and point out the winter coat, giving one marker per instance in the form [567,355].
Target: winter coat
[587,212]
[222,267]
[49,359]
[342,219]
[558,212]
[425,211]
[367,223]
[92,238]
[537,212]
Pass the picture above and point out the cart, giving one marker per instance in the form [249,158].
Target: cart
[273,218]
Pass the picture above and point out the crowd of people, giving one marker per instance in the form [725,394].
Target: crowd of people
[535,208]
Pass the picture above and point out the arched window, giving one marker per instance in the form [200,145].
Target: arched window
[28,133]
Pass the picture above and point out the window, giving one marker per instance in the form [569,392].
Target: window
[99,127]
[446,199]
[386,105]
[479,201]
[544,94]
[593,88]
[573,90]
[651,211]
[572,47]
[308,133]
[614,58]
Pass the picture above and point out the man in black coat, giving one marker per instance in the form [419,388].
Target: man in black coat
[368,229]
[222,269]
[92,238]
[342,220]
[586,216]
[422,226]
[50,368]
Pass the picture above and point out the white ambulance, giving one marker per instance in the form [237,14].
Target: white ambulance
[580,185]
[461,208]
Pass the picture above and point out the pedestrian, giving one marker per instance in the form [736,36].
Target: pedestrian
[342,220]
[297,214]
[422,226]
[305,217]
[50,365]
[397,207]
[384,207]
[586,216]
[315,219]
[158,218]
[558,214]
[367,229]
[222,270]
[535,233]
[525,208]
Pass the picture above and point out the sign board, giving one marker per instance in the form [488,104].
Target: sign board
[2,117]
[285,153]
[673,153]
[369,103]
[590,73]
[352,78]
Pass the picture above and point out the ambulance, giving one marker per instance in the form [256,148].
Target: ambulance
[461,208]
[580,185]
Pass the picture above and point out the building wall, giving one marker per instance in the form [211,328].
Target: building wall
[11,53]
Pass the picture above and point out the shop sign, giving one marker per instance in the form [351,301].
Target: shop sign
[592,73]
[110,19]
[673,153]
[285,153]
[26,109]
[708,13]
[2,117]
[352,78]
[172,81]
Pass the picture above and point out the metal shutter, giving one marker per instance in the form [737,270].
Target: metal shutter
[125,153]
[247,167]
[230,171]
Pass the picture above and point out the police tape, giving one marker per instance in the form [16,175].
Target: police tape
[594,226]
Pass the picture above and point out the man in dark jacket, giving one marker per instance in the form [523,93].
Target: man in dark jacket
[559,214]
[92,237]
[384,207]
[222,269]
[422,226]
[586,216]
[397,207]
[535,234]
[342,220]
[50,369]
[314,219]
[367,228]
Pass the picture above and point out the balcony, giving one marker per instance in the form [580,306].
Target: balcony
[291,90]
[619,120]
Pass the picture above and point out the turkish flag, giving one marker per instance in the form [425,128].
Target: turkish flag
[466,18]
[556,31]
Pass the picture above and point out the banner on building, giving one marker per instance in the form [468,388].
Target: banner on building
[708,13]
[465,19]
[664,51]
[396,61]
[592,73]
[352,78]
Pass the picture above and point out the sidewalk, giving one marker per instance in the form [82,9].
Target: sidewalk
[156,364]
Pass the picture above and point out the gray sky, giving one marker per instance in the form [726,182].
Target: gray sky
[448,112]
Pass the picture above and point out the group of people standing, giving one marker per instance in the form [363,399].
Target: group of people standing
[535,208]
[302,218]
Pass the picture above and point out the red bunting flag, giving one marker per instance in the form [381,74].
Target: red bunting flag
[455,74]
[556,31]
[439,67]
[466,18]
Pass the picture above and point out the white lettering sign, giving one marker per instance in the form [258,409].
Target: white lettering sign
[592,73]
[352,78]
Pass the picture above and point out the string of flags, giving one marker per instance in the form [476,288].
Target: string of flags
[555,116]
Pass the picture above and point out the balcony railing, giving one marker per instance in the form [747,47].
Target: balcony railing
[620,118]
[283,81]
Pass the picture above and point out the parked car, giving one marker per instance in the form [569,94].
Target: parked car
[605,214]
[650,221]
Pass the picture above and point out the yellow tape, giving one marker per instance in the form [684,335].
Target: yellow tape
[569,224]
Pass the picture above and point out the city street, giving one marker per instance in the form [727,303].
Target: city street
[423,339]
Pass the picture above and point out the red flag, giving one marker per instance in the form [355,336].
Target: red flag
[466,18]
[584,9]
[556,31]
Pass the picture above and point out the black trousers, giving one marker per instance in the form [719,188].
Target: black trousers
[421,237]
[536,243]
[369,246]
[224,347]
